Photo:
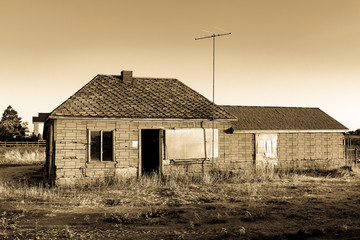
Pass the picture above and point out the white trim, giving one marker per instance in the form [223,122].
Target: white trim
[204,130]
[139,153]
[113,157]
[114,145]
[288,131]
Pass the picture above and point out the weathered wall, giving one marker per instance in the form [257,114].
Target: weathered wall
[306,150]
[239,150]
[71,148]
[294,150]
[236,151]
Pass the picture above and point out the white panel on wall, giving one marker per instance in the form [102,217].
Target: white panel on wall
[190,143]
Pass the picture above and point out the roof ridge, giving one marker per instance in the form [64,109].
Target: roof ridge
[135,77]
[149,78]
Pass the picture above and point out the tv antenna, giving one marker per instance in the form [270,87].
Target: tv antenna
[213,36]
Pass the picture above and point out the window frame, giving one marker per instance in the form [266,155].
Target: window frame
[265,142]
[101,145]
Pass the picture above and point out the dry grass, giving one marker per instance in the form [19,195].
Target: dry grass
[176,190]
[22,156]
[221,203]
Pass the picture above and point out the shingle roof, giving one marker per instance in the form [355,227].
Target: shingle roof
[282,118]
[108,96]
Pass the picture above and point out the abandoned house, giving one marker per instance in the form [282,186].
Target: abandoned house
[129,126]
[125,125]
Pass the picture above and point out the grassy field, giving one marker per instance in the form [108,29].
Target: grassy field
[13,156]
[306,205]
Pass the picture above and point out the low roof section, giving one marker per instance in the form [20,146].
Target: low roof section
[127,97]
[40,118]
[292,119]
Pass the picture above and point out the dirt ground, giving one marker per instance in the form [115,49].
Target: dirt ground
[304,207]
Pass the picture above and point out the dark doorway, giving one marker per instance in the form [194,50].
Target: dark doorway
[150,151]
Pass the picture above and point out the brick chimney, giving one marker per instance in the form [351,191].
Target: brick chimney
[127,76]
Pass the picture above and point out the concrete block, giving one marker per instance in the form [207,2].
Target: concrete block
[127,172]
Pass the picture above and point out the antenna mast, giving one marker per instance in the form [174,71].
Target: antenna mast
[213,36]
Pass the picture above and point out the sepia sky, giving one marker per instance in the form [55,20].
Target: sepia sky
[280,53]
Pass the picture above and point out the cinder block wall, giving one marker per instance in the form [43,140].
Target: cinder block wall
[305,150]
[236,151]
[295,150]
[239,151]
[72,144]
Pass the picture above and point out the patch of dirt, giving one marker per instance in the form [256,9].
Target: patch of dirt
[32,174]
[310,208]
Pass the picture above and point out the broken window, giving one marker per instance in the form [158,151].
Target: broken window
[192,143]
[100,145]
[266,146]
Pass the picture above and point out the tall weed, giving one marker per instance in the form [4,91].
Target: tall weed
[22,156]
[155,190]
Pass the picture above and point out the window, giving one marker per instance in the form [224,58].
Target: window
[191,143]
[101,146]
[266,146]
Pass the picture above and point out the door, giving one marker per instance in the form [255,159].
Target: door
[150,151]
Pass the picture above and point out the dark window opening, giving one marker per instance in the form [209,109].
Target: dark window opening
[95,145]
[101,145]
[107,146]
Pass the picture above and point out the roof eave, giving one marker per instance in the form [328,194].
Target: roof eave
[135,119]
[292,131]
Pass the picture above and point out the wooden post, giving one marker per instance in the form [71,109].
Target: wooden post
[350,150]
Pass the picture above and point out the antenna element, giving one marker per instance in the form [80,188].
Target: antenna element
[213,36]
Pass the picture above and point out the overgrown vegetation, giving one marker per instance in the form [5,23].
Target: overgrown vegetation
[173,190]
[269,203]
[22,155]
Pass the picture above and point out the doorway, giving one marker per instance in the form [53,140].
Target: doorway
[150,151]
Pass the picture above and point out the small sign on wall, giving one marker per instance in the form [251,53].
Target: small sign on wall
[134,144]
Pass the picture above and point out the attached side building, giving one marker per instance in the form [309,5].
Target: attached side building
[285,137]
[129,126]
